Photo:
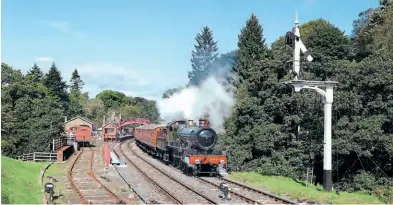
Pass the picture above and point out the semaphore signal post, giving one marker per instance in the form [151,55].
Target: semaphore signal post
[325,88]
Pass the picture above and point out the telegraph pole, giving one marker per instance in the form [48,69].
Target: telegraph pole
[325,88]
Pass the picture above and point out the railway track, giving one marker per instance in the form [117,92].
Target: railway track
[247,193]
[178,191]
[154,196]
[242,192]
[140,196]
[144,200]
[85,183]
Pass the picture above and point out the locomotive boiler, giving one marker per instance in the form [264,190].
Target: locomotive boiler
[187,146]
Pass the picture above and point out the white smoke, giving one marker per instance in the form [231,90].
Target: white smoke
[192,103]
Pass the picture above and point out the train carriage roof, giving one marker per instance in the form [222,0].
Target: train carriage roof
[151,126]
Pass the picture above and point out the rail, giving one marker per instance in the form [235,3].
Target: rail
[165,190]
[76,187]
[39,157]
[211,200]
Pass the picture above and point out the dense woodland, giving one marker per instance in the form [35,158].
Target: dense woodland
[36,104]
[272,129]
[275,131]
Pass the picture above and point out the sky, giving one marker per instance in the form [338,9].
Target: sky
[142,48]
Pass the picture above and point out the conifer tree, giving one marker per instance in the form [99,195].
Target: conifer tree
[35,73]
[203,56]
[75,107]
[252,48]
[56,85]
[247,112]
[76,82]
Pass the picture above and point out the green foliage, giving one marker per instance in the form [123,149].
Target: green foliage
[112,99]
[252,48]
[118,101]
[94,109]
[75,96]
[148,108]
[34,106]
[247,111]
[373,33]
[278,132]
[203,56]
[32,118]
[9,75]
[325,41]
[57,86]
[76,82]
[75,107]
[35,74]
[129,111]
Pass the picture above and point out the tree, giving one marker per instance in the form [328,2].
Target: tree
[203,56]
[35,73]
[373,32]
[9,75]
[325,41]
[75,96]
[94,109]
[247,111]
[129,111]
[251,48]
[76,82]
[30,117]
[57,86]
[75,107]
[112,99]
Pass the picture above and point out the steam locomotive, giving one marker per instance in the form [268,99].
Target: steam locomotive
[186,146]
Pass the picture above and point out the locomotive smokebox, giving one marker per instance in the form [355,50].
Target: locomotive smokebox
[203,138]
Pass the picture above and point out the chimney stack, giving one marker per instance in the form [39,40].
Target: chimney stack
[203,123]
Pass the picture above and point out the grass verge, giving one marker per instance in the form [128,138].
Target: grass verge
[288,187]
[58,171]
[20,181]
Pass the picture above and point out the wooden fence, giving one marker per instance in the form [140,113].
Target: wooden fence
[39,157]
[58,143]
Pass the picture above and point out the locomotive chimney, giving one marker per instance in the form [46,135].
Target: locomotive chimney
[190,122]
[203,123]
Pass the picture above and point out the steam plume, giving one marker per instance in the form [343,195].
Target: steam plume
[212,97]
